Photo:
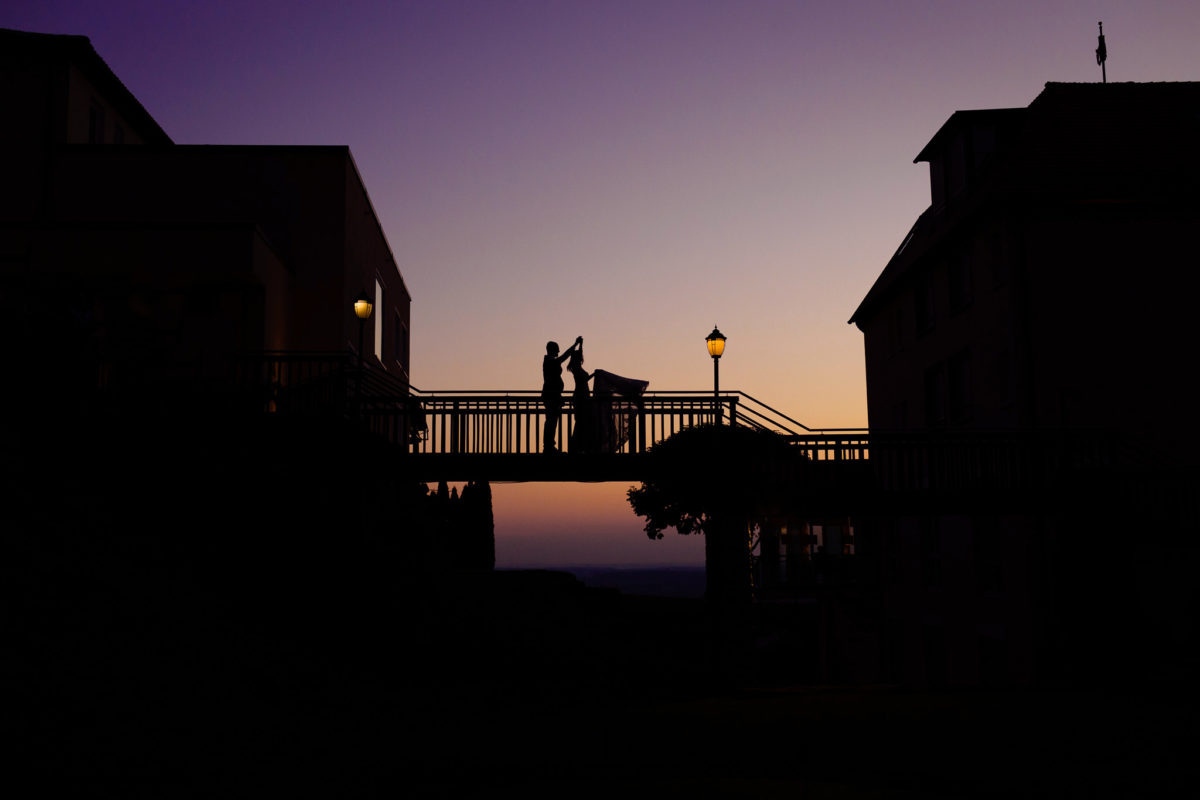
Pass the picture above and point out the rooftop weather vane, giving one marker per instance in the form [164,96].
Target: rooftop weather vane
[1102,55]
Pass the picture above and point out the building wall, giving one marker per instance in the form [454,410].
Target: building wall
[172,254]
[93,116]
[943,350]
[371,265]
[28,91]
[56,90]
[1053,296]
[135,303]
[308,204]
[1111,296]
[961,607]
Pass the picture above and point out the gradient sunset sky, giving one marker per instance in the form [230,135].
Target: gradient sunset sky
[632,171]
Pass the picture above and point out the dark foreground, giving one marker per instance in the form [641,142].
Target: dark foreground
[222,624]
[530,682]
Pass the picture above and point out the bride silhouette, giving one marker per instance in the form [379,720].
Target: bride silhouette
[583,436]
[603,417]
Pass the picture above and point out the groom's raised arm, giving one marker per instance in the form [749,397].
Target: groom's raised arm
[567,353]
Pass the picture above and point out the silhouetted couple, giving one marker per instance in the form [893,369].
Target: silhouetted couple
[552,389]
[603,418]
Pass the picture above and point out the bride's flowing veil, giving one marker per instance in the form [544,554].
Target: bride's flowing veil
[617,400]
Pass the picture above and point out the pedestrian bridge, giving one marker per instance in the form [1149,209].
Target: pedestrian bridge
[496,435]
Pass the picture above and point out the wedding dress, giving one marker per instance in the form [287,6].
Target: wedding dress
[616,402]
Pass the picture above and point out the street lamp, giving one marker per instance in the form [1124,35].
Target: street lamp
[363,305]
[716,346]
[362,309]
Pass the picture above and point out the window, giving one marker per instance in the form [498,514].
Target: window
[948,391]
[378,322]
[397,349]
[956,165]
[988,552]
[936,660]
[935,396]
[958,274]
[959,386]
[993,659]
[937,181]
[892,554]
[998,378]
[400,342]
[998,257]
[896,330]
[931,551]
[96,124]
[923,297]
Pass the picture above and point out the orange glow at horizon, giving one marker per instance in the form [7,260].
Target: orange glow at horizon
[562,524]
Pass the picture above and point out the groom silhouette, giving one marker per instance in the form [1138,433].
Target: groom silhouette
[552,389]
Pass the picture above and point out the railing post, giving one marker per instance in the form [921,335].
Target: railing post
[641,428]
[455,441]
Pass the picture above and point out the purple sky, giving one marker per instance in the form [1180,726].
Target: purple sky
[632,171]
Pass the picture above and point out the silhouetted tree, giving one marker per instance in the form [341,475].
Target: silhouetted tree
[463,526]
[718,481]
[478,530]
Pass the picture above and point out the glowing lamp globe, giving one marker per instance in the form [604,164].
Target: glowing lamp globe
[363,306]
[716,343]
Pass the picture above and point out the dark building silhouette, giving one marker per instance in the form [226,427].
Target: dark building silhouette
[1037,321]
[125,257]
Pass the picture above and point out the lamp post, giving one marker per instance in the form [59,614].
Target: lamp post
[362,309]
[716,346]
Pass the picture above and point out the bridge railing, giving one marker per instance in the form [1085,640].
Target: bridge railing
[997,460]
[332,385]
[496,421]
[834,446]
[482,421]
[513,422]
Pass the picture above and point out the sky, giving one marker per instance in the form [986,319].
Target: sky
[631,171]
